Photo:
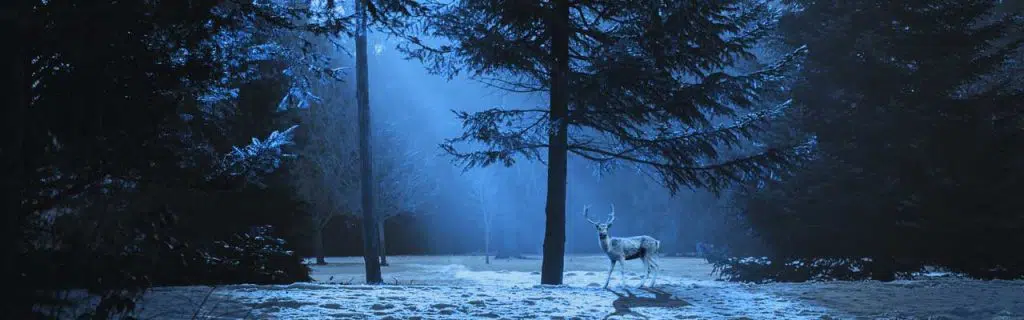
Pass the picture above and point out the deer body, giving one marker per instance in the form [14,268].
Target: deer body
[620,249]
[629,248]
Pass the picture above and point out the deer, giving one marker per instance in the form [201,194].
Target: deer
[620,249]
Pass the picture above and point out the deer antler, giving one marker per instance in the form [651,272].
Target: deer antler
[611,215]
[586,214]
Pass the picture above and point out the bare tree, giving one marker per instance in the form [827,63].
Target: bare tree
[326,175]
[488,214]
[402,183]
[484,193]
[531,197]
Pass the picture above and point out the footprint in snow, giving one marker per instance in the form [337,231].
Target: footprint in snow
[378,306]
[348,316]
[442,306]
[487,315]
[476,303]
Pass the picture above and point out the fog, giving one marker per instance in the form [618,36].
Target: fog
[454,210]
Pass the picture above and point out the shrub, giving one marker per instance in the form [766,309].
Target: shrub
[256,257]
[987,270]
[763,269]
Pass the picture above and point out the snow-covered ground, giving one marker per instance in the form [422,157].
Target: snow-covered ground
[463,287]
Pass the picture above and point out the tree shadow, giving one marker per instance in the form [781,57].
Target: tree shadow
[625,302]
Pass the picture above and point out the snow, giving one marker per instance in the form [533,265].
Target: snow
[463,287]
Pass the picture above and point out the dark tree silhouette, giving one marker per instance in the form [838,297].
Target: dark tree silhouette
[913,111]
[117,119]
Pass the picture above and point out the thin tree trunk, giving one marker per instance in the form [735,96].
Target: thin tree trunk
[553,262]
[383,244]
[568,237]
[373,274]
[487,241]
[318,245]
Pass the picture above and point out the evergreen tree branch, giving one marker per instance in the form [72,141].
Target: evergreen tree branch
[693,174]
[504,135]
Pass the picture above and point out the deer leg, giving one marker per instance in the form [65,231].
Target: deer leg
[655,269]
[609,275]
[646,267]
[622,270]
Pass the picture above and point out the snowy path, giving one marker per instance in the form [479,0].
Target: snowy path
[460,288]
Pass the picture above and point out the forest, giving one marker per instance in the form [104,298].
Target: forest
[151,144]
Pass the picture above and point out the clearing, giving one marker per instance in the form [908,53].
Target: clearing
[463,287]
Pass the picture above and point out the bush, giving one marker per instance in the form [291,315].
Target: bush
[987,271]
[763,269]
[256,257]
[118,262]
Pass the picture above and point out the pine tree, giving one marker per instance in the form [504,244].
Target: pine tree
[645,83]
[910,119]
[170,76]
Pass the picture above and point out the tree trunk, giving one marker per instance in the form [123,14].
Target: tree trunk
[383,244]
[568,237]
[487,243]
[318,245]
[554,232]
[373,275]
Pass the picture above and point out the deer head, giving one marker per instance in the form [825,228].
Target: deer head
[602,227]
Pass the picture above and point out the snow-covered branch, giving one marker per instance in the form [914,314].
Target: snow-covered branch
[259,157]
